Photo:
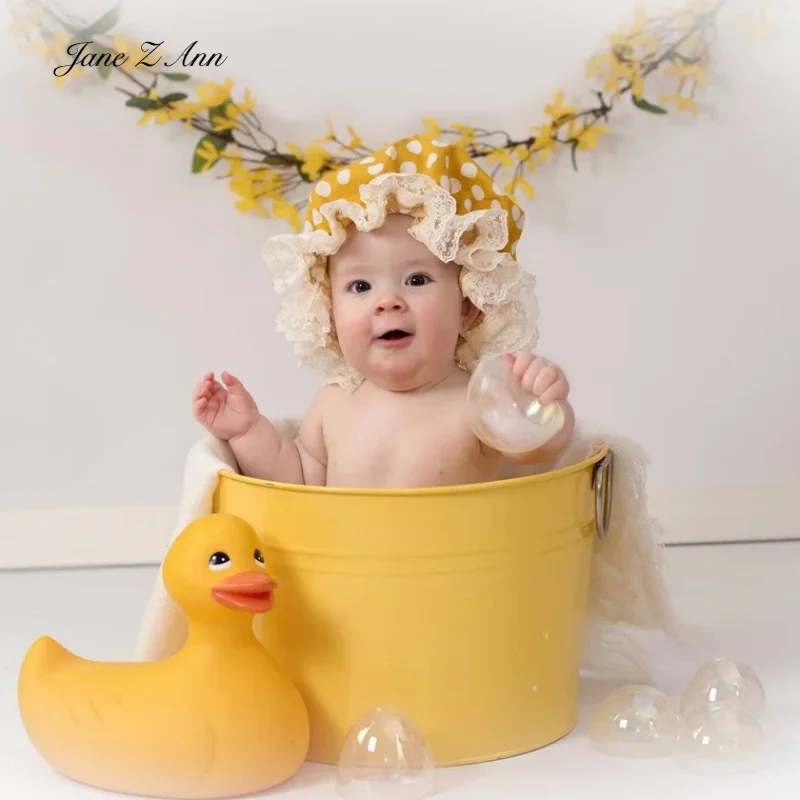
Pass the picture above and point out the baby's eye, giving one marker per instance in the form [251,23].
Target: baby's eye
[219,560]
[418,280]
[359,287]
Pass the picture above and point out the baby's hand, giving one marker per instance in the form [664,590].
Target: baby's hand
[543,379]
[225,413]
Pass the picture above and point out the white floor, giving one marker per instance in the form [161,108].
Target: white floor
[742,600]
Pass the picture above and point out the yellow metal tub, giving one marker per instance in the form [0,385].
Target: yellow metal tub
[463,606]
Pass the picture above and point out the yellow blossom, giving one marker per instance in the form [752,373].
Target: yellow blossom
[557,110]
[133,51]
[522,152]
[685,71]
[520,182]
[598,66]
[681,103]
[500,156]
[184,110]
[526,187]
[233,154]
[633,74]
[314,161]
[467,133]
[54,48]
[268,182]
[60,80]
[355,140]
[214,94]
[252,186]
[331,132]
[250,203]
[294,150]
[248,104]
[545,143]
[628,71]
[640,19]
[284,210]
[588,136]
[432,129]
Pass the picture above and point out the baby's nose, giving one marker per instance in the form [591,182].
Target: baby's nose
[389,302]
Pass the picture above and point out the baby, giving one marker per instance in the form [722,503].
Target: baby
[393,286]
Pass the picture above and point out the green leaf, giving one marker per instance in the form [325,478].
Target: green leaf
[574,143]
[640,102]
[101,25]
[176,76]
[199,164]
[304,175]
[175,97]
[218,111]
[144,103]
[106,22]
[274,161]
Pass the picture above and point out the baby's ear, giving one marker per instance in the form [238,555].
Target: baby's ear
[469,314]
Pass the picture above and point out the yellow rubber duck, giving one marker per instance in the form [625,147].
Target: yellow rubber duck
[220,718]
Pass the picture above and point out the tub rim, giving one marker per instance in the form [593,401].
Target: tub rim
[422,491]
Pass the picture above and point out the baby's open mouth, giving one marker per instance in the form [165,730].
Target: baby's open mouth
[394,334]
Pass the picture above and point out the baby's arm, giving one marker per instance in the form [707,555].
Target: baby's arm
[263,453]
[230,413]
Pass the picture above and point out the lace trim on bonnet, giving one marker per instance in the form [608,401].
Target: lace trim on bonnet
[489,277]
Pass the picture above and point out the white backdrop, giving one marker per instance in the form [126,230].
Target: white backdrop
[667,266]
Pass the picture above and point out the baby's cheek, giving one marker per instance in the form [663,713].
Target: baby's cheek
[444,318]
[349,322]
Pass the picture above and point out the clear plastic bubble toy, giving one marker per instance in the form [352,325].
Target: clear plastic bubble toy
[724,681]
[635,722]
[385,757]
[724,732]
[505,417]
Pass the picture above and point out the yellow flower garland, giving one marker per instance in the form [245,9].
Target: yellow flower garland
[265,177]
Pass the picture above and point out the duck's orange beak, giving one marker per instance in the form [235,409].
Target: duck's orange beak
[247,591]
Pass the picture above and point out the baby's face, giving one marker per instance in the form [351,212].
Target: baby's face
[397,309]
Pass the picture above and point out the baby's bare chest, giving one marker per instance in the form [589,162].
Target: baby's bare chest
[412,441]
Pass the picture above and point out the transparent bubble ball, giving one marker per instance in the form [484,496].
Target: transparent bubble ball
[385,757]
[721,732]
[723,681]
[502,415]
[635,722]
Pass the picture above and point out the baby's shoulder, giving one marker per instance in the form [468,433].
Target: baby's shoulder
[331,395]
[326,403]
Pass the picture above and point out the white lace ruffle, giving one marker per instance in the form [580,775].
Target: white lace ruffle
[489,277]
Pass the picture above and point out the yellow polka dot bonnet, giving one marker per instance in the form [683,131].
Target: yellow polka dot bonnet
[459,214]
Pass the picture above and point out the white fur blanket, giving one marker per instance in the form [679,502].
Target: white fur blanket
[626,587]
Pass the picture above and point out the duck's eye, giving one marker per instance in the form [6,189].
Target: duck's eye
[259,557]
[219,560]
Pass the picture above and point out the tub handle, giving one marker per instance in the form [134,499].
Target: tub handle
[603,486]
